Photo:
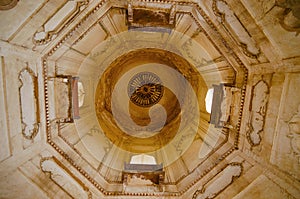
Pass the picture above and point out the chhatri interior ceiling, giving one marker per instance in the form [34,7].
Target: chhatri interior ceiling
[144,69]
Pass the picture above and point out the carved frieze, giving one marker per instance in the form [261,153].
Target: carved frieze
[259,100]
[29,104]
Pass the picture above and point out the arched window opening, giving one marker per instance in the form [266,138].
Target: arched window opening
[142,159]
[209,99]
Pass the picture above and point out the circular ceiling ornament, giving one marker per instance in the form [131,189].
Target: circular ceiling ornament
[7,4]
[145,89]
[174,115]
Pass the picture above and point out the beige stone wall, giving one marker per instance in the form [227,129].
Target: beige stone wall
[262,163]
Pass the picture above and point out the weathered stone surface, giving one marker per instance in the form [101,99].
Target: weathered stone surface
[250,46]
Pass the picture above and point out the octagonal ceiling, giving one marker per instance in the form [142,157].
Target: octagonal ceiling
[171,129]
[144,70]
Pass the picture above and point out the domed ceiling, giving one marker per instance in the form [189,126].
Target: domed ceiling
[146,99]
[152,98]
[145,91]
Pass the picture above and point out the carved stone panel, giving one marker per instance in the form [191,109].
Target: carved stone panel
[280,20]
[219,182]
[64,178]
[53,26]
[28,98]
[259,100]
[240,34]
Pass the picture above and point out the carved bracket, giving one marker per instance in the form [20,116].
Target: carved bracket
[61,19]
[29,104]
[258,107]
[220,182]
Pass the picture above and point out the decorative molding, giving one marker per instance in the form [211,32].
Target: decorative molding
[294,134]
[6,5]
[258,108]
[231,22]
[64,178]
[60,20]
[220,182]
[28,103]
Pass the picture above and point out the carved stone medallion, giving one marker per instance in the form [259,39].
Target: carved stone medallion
[145,89]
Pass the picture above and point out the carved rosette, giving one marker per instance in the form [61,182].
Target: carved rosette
[145,89]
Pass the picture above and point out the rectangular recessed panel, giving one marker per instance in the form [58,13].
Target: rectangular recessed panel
[4,141]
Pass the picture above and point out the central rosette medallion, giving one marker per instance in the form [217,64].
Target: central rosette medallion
[145,89]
